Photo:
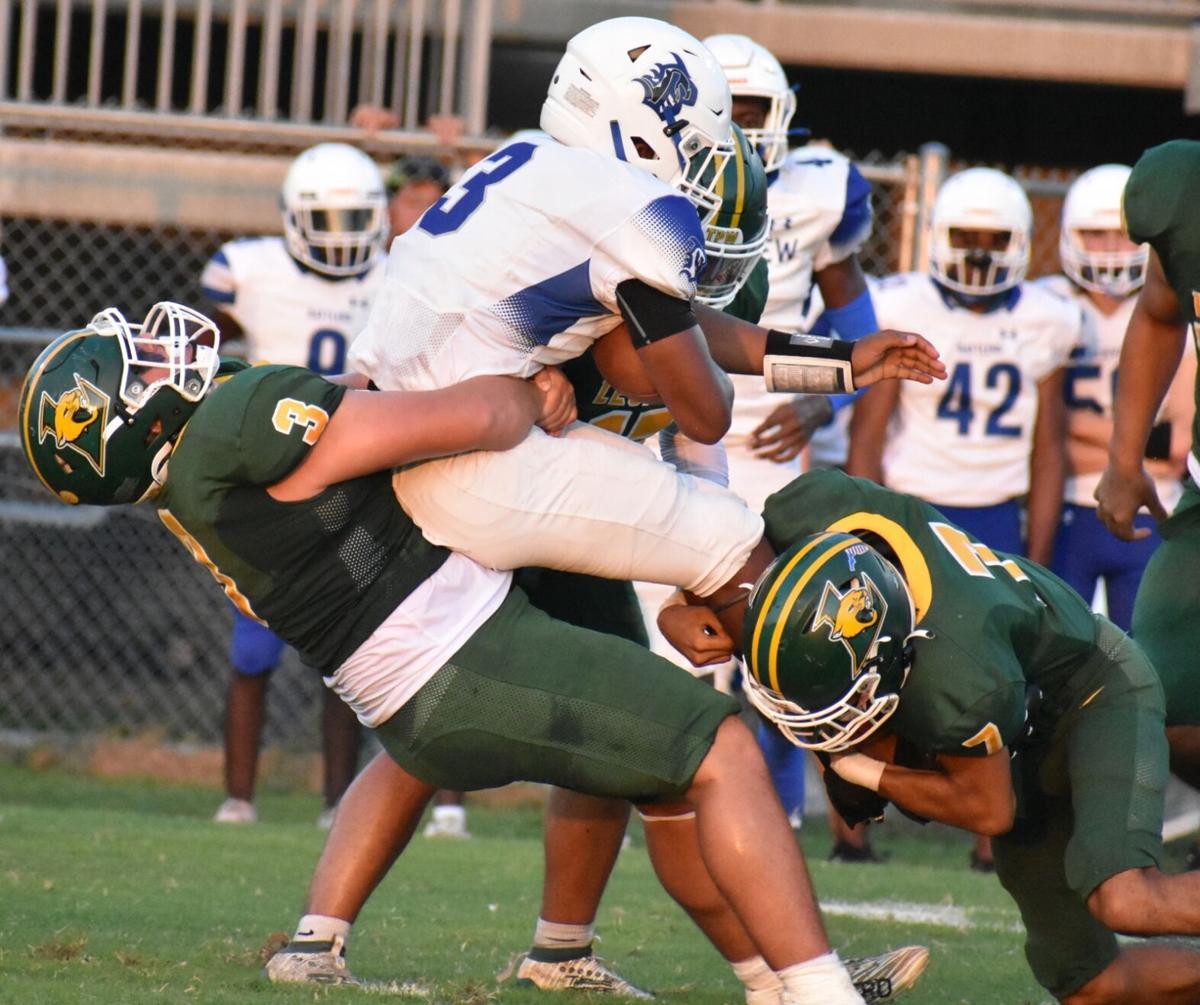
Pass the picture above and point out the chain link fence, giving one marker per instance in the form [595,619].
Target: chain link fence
[106,626]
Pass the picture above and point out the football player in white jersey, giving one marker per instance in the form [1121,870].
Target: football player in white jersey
[546,246]
[1102,272]
[820,208]
[994,433]
[297,298]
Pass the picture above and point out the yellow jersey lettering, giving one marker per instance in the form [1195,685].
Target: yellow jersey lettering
[976,559]
[290,412]
[196,550]
[988,738]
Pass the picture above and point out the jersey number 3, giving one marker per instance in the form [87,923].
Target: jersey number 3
[451,211]
[291,412]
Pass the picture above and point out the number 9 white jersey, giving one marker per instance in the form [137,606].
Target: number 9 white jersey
[966,441]
[517,266]
[289,314]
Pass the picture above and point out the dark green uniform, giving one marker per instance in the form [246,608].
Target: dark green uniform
[527,697]
[1162,206]
[1090,763]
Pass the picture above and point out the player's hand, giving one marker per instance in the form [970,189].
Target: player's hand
[697,633]
[448,129]
[888,355]
[373,118]
[786,431]
[1120,495]
[557,400]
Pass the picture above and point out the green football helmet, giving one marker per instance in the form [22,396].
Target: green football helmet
[735,237]
[102,407]
[826,641]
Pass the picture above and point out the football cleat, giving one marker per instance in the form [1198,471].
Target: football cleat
[881,978]
[236,811]
[447,824]
[325,963]
[584,973]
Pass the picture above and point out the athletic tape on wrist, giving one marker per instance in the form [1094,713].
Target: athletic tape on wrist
[859,769]
[807,364]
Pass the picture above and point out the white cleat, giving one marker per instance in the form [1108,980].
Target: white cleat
[236,811]
[585,973]
[325,963]
[881,978]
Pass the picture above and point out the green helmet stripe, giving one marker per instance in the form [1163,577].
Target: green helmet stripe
[769,599]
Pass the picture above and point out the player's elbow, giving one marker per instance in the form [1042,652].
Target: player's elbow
[707,426]
[995,816]
[501,423]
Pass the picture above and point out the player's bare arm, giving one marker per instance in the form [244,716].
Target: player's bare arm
[375,430]
[974,793]
[1149,359]
[868,430]
[1047,467]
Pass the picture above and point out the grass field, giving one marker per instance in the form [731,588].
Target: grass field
[124,892]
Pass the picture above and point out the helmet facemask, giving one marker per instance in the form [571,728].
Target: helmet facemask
[1092,247]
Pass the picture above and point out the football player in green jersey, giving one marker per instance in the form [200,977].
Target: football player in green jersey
[1162,206]
[279,482]
[976,688]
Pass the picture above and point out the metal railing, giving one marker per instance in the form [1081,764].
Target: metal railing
[1138,9]
[273,62]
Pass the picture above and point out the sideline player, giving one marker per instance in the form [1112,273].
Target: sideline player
[1162,207]
[988,447]
[281,486]
[1102,273]
[1002,705]
[298,299]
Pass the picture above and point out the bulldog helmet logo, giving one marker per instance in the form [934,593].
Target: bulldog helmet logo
[854,618]
[76,420]
[668,88]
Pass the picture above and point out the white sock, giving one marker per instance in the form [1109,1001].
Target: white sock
[555,935]
[450,814]
[763,986]
[819,981]
[321,928]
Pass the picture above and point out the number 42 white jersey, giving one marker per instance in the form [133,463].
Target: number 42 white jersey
[517,266]
[966,441]
[289,313]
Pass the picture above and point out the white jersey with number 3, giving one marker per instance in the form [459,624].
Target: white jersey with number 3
[966,441]
[517,266]
[289,313]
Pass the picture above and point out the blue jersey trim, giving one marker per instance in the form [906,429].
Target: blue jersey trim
[219,296]
[539,312]
[672,226]
[1007,300]
[857,214]
[618,144]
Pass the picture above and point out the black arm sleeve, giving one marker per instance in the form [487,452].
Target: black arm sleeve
[651,314]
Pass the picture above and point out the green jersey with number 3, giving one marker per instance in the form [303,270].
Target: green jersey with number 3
[991,623]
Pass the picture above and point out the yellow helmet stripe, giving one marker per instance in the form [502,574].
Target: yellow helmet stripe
[913,566]
[790,602]
[740,204]
[25,408]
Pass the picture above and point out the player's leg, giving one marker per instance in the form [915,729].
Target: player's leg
[1143,975]
[1077,550]
[588,502]
[254,652]
[375,820]
[340,736]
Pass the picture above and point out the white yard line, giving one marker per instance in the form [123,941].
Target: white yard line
[936,915]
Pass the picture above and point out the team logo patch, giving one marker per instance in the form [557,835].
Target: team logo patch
[77,420]
[854,618]
[668,88]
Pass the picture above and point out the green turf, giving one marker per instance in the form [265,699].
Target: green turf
[124,892]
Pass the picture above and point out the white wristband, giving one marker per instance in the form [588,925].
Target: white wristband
[859,769]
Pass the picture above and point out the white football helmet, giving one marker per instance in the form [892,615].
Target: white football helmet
[334,210]
[1094,203]
[648,93]
[973,200]
[753,72]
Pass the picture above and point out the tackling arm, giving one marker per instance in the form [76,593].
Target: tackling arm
[376,430]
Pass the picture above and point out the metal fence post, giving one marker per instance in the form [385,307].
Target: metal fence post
[934,158]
